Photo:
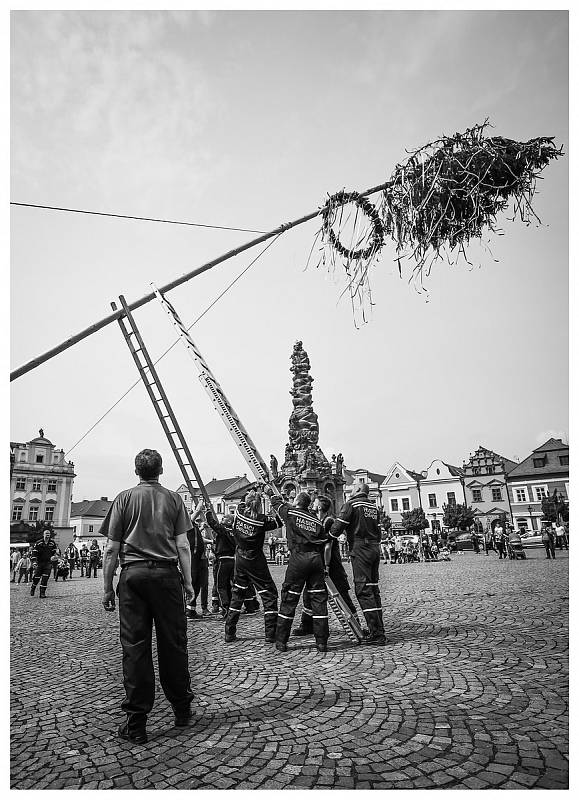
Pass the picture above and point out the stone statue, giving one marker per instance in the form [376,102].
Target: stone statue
[339,464]
[273,466]
[41,432]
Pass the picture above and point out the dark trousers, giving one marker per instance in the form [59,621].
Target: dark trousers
[490,545]
[252,571]
[83,568]
[23,573]
[54,569]
[550,548]
[304,568]
[224,567]
[200,581]
[502,548]
[338,575]
[365,564]
[41,575]
[71,566]
[92,568]
[149,592]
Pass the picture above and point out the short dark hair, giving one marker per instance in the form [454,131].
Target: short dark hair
[324,502]
[303,500]
[148,464]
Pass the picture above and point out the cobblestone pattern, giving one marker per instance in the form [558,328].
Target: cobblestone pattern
[470,692]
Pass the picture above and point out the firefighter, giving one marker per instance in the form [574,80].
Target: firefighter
[42,553]
[359,517]
[71,554]
[306,539]
[249,529]
[334,567]
[83,558]
[224,557]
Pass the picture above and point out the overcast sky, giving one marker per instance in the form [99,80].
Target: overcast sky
[250,119]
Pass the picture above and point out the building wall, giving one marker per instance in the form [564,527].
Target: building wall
[526,497]
[403,490]
[44,488]
[440,484]
[82,526]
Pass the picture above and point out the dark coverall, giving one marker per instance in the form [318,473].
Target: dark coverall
[307,539]
[224,559]
[337,574]
[360,519]
[42,552]
[251,568]
[199,567]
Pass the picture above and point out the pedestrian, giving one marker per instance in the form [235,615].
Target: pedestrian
[307,538]
[548,539]
[224,557]
[272,542]
[147,529]
[561,536]
[397,548]
[250,526]
[344,547]
[199,567]
[501,540]
[71,554]
[42,553]
[84,560]
[384,544]
[94,558]
[474,540]
[55,561]
[426,549]
[32,566]
[333,566]
[14,559]
[360,517]
[23,567]
[489,541]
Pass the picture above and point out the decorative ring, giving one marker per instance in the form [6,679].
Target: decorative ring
[377,240]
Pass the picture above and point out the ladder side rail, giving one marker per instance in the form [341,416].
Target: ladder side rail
[231,419]
[156,384]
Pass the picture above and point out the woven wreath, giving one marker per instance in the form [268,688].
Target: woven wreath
[328,216]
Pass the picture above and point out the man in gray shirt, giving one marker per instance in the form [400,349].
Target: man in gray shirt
[147,530]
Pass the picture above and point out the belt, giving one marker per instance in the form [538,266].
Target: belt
[365,540]
[151,563]
[308,548]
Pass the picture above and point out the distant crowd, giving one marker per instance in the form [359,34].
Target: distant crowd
[25,562]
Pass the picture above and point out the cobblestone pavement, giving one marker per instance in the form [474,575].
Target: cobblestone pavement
[470,692]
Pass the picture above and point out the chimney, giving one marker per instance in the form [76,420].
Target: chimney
[104,498]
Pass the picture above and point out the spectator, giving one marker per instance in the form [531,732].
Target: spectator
[474,540]
[71,554]
[501,540]
[548,539]
[23,567]
[489,541]
[344,547]
[84,558]
[272,542]
[199,567]
[94,558]
[561,536]
[397,548]
[14,559]
[55,560]
[32,565]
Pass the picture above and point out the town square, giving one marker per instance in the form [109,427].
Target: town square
[289,435]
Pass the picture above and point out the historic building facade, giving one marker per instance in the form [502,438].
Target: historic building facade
[86,519]
[485,483]
[224,493]
[40,484]
[400,490]
[538,475]
[441,484]
[354,478]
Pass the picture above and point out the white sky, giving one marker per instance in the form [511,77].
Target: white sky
[250,119]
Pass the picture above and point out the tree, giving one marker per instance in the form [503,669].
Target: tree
[458,516]
[386,522]
[554,508]
[415,520]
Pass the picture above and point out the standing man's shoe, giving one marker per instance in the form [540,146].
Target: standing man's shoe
[183,717]
[322,647]
[32,589]
[377,639]
[230,637]
[136,737]
[281,646]
[301,631]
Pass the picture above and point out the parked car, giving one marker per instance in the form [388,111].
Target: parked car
[532,539]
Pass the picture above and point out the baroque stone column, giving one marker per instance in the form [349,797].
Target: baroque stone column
[305,467]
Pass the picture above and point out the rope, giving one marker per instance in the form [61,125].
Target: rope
[200,317]
[129,216]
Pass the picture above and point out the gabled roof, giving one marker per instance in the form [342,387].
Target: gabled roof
[239,491]
[508,463]
[90,508]
[552,444]
[455,471]
[526,467]
[222,485]
[373,477]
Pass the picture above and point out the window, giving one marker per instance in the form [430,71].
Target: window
[491,470]
[33,513]
[540,492]
[20,484]
[451,498]
[74,528]
[521,495]
[219,508]
[90,528]
[405,504]
[394,504]
[39,458]
[477,496]
[497,494]
[51,486]
[231,509]
[432,500]
[17,512]
[476,470]
[539,462]
[564,461]
[22,456]
[49,513]
[36,485]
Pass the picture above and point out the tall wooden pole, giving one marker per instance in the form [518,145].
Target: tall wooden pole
[97,326]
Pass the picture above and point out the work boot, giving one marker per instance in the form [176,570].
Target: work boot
[192,613]
[270,639]
[230,637]
[301,631]
[281,646]
[322,645]
[32,589]
[215,608]
[183,716]
[137,736]
[377,639]
[42,592]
